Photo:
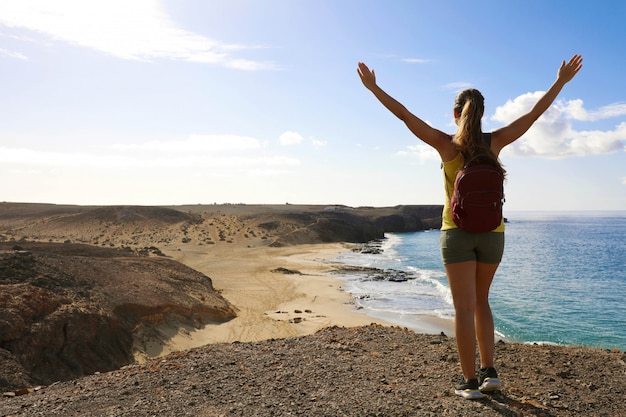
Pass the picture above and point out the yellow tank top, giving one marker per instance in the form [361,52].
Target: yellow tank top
[450,169]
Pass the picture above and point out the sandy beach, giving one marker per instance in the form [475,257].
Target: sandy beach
[272,305]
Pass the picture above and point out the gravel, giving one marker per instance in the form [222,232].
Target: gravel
[364,371]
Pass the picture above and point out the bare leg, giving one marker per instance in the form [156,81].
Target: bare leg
[462,281]
[482,315]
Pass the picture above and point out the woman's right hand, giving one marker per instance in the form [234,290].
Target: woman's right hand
[569,70]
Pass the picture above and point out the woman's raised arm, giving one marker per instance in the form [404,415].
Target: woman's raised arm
[510,133]
[433,137]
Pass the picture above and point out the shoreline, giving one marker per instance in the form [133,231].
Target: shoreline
[277,292]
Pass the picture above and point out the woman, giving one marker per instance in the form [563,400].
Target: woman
[471,259]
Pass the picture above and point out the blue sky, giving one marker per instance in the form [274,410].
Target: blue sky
[194,101]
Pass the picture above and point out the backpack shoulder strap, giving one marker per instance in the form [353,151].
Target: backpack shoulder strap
[487,139]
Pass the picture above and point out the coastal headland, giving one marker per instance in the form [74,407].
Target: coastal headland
[89,289]
[153,305]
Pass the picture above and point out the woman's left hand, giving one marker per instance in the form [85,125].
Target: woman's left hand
[368,78]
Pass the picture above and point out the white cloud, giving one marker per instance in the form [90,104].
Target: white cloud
[133,30]
[422,151]
[199,153]
[12,54]
[318,143]
[553,135]
[458,86]
[415,60]
[199,143]
[290,138]
[268,172]
[575,109]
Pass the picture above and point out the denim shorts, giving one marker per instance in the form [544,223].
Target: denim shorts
[457,245]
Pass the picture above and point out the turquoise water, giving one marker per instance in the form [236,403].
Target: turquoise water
[562,279]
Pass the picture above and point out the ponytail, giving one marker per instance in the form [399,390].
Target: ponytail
[469,107]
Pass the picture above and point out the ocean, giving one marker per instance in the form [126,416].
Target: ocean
[562,279]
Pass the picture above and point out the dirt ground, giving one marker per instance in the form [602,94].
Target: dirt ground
[361,371]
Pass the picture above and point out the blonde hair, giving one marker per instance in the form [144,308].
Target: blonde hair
[469,107]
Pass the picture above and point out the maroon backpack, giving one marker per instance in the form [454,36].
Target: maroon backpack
[478,196]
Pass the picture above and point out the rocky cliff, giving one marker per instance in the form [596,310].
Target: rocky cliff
[344,224]
[68,310]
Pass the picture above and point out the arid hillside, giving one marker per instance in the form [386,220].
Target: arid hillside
[86,289]
[146,226]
